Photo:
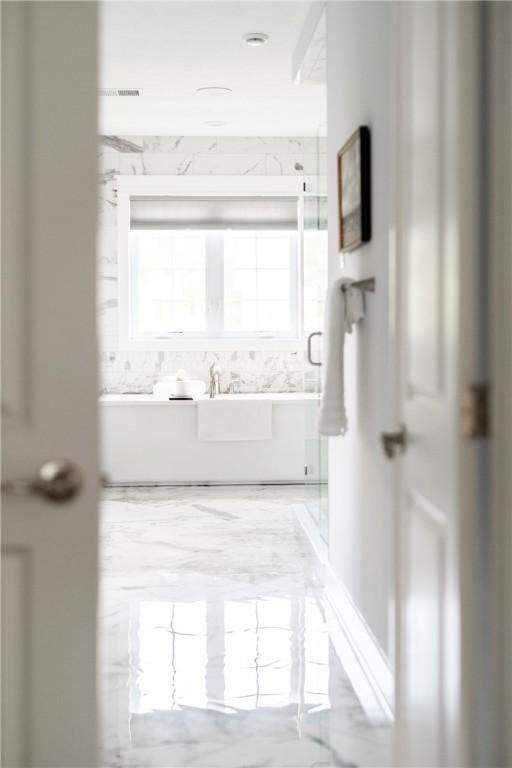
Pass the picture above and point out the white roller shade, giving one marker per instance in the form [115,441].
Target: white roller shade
[213,213]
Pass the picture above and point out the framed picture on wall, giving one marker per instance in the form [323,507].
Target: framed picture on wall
[354,191]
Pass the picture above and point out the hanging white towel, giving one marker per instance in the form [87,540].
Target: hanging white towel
[345,306]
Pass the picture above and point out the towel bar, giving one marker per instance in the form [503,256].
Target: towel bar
[368,284]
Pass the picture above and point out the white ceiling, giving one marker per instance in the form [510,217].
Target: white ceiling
[169,49]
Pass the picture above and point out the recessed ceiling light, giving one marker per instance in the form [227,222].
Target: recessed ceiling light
[214,90]
[215,123]
[255,38]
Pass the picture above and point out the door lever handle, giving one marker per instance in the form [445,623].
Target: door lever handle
[57,480]
[394,443]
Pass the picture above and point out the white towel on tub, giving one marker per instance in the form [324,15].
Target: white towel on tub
[234,420]
[344,307]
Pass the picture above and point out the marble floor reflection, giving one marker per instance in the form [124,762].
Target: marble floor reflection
[215,648]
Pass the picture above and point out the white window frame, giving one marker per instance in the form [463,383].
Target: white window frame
[211,186]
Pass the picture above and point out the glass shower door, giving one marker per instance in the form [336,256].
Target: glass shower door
[315,257]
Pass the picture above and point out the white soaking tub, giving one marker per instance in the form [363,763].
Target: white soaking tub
[146,440]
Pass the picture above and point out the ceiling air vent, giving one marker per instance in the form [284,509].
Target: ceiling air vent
[120,91]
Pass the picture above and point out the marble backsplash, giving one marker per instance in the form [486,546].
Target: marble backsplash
[124,371]
[136,372]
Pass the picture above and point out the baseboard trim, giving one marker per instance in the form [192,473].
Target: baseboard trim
[359,651]
[318,545]
[365,647]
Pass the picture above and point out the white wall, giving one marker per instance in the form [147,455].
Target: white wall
[360,478]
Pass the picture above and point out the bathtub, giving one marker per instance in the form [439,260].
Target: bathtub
[146,440]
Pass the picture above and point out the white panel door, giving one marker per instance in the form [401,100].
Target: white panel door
[48,218]
[438,243]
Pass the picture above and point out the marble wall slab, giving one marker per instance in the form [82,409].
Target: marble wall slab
[135,372]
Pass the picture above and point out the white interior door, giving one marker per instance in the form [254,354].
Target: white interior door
[48,218]
[439,554]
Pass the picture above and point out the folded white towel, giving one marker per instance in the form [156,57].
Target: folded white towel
[234,420]
[344,307]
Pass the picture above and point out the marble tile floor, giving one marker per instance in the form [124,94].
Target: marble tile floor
[215,649]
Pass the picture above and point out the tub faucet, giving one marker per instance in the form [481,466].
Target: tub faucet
[233,386]
[214,380]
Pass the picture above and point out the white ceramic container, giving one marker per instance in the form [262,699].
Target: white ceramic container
[191,388]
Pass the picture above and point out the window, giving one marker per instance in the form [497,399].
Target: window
[169,270]
[213,268]
[213,283]
[257,282]
[315,248]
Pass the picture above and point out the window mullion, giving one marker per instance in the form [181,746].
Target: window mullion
[215,283]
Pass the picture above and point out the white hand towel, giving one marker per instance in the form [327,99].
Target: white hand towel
[345,306]
[234,420]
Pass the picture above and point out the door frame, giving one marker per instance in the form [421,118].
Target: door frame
[498,42]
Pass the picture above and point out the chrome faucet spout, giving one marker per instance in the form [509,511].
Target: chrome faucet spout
[214,388]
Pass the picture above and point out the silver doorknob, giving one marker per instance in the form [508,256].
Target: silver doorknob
[57,480]
[394,443]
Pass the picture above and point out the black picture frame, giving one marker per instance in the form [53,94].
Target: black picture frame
[354,191]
